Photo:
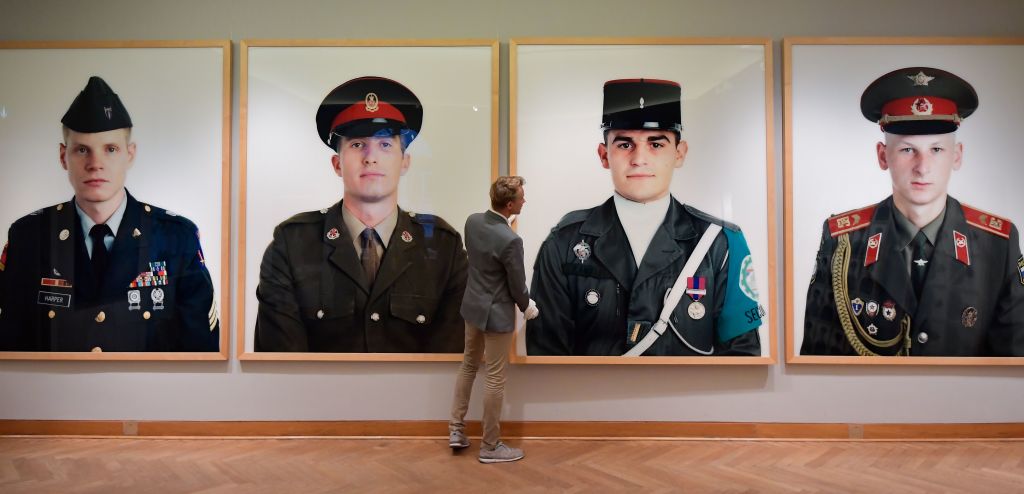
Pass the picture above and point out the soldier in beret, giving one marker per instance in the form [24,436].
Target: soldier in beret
[919,273]
[104,272]
[643,274]
[364,275]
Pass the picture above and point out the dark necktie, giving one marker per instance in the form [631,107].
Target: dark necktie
[920,256]
[369,257]
[99,251]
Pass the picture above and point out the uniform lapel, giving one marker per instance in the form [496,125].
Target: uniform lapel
[125,260]
[611,247]
[340,251]
[664,250]
[889,271]
[396,260]
[943,266]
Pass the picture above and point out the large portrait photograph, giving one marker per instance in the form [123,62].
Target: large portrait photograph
[115,207]
[360,163]
[648,226]
[903,201]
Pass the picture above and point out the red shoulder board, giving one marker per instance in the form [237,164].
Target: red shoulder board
[851,220]
[987,221]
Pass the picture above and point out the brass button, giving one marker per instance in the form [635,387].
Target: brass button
[922,338]
[52,314]
[102,316]
[60,206]
[147,208]
[375,317]
[97,349]
[421,319]
[146,315]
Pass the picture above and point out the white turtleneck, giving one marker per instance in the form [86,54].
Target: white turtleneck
[641,221]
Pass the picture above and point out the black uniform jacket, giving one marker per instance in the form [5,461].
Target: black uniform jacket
[314,297]
[50,301]
[972,303]
[592,300]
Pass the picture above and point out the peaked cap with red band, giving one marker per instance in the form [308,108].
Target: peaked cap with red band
[368,106]
[918,100]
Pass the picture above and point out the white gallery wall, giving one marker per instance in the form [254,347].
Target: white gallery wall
[234,390]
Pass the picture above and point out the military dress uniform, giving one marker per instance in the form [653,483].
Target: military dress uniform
[861,300]
[314,295]
[156,295]
[871,294]
[594,300]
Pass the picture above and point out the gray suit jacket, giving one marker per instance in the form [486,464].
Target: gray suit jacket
[497,278]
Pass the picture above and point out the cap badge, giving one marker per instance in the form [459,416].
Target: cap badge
[109,112]
[582,251]
[920,79]
[372,102]
[641,103]
[921,106]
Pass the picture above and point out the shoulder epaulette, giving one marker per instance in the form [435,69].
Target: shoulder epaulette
[431,219]
[851,220]
[987,221]
[572,217]
[711,219]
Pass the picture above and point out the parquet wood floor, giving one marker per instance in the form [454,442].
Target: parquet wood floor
[327,465]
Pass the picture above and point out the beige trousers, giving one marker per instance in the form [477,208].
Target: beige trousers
[493,347]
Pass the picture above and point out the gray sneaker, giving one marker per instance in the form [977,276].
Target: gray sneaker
[500,454]
[457,440]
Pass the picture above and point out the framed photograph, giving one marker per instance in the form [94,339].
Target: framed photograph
[599,301]
[166,274]
[858,289]
[307,294]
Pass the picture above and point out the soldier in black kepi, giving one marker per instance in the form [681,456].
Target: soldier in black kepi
[104,272]
[643,274]
[364,275]
[919,273]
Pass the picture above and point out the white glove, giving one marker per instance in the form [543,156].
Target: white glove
[532,311]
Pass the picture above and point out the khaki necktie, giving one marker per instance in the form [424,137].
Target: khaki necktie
[369,258]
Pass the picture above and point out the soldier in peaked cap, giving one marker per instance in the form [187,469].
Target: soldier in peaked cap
[643,274]
[919,273]
[364,275]
[104,272]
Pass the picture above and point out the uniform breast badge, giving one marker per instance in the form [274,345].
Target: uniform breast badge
[134,299]
[969,317]
[857,305]
[889,310]
[872,329]
[158,298]
[696,311]
[582,251]
[871,308]
[696,288]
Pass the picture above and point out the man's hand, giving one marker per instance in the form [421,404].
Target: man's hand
[532,311]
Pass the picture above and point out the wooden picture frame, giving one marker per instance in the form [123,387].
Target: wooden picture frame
[285,168]
[178,94]
[825,135]
[555,114]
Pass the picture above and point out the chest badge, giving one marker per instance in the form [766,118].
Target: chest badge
[969,317]
[158,298]
[871,308]
[134,299]
[582,251]
[889,310]
[857,305]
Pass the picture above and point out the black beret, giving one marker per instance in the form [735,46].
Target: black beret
[368,106]
[918,100]
[96,109]
[639,104]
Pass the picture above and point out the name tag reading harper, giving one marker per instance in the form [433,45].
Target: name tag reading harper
[54,299]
